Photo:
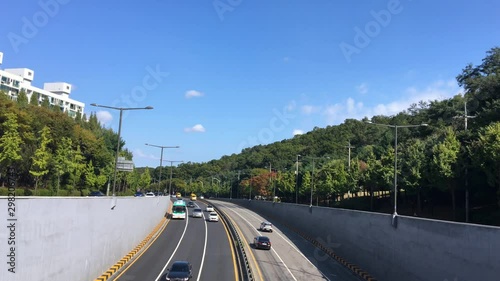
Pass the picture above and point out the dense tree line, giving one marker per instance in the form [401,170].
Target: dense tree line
[453,160]
[53,153]
[440,164]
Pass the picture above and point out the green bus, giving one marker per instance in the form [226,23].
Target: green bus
[179,209]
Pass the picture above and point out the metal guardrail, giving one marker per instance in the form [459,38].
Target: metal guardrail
[245,272]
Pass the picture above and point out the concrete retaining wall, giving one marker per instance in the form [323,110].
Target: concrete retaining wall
[418,249]
[73,238]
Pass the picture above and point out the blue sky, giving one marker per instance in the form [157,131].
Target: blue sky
[229,74]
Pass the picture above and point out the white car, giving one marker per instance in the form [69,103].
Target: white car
[149,194]
[210,208]
[266,226]
[213,216]
[197,213]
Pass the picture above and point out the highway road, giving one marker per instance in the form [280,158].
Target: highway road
[204,244]
[291,257]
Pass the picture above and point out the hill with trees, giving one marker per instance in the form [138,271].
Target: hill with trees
[448,169]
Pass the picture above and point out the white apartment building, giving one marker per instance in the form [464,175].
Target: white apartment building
[15,80]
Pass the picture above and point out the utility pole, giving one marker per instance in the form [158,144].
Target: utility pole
[466,117]
[171,172]
[349,157]
[297,180]
[271,178]
[238,185]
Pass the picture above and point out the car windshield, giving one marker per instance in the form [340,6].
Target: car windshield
[213,214]
[197,210]
[180,267]
[263,239]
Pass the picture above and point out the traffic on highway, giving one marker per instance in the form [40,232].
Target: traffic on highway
[199,247]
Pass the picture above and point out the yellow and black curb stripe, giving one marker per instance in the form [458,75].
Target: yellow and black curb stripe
[361,273]
[112,270]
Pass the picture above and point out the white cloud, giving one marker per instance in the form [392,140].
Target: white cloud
[140,154]
[362,88]
[309,109]
[298,132]
[193,93]
[104,117]
[196,128]
[439,90]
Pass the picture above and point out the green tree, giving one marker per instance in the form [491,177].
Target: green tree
[34,99]
[482,87]
[412,166]
[22,99]
[77,167]
[145,178]
[337,177]
[488,155]
[305,187]
[90,175]
[41,159]
[354,173]
[45,102]
[61,162]
[285,183]
[10,142]
[445,160]
[133,180]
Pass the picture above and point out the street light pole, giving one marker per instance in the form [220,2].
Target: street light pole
[161,159]
[395,214]
[121,109]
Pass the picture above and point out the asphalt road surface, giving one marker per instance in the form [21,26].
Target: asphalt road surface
[204,244]
[291,257]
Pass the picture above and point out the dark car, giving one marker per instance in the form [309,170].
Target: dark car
[180,270]
[96,194]
[190,204]
[139,194]
[262,242]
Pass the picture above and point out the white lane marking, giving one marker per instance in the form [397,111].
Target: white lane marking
[289,243]
[175,250]
[204,249]
[288,269]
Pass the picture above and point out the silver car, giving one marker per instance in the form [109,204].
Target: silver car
[266,226]
[197,213]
